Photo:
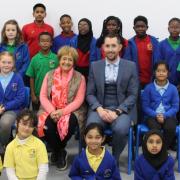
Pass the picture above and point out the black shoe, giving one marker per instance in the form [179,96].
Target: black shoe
[54,157]
[62,160]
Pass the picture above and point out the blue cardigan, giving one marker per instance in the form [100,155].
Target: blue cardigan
[172,57]
[107,169]
[152,98]
[60,41]
[94,51]
[131,52]
[22,58]
[13,98]
[144,171]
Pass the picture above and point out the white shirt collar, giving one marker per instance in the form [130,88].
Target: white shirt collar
[161,87]
[115,62]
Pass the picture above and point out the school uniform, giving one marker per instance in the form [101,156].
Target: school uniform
[144,171]
[31,34]
[86,57]
[86,48]
[93,51]
[161,100]
[21,56]
[61,40]
[26,158]
[107,169]
[172,58]
[156,166]
[145,53]
[152,98]
[12,97]
[39,66]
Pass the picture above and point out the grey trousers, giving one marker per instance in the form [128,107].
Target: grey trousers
[7,119]
[120,129]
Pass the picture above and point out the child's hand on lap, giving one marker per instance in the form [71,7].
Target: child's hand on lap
[2,109]
[160,118]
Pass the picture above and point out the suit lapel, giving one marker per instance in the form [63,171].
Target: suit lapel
[120,73]
[101,73]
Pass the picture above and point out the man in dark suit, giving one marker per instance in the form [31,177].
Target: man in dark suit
[111,93]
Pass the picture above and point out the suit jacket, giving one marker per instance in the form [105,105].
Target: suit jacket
[127,85]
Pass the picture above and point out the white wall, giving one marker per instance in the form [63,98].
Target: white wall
[158,13]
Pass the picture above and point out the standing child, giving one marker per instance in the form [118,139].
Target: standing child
[66,35]
[155,162]
[31,31]
[143,49]
[111,24]
[41,63]
[95,162]
[170,51]
[160,102]
[12,95]
[26,156]
[85,44]
[12,41]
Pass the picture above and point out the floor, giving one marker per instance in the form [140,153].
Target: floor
[72,149]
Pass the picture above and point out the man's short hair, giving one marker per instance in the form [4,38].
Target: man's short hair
[114,35]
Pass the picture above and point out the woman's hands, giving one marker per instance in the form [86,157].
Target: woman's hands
[55,115]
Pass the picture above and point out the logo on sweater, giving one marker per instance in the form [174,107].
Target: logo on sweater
[149,47]
[52,64]
[32,153]
[18,55]
[14,86]
[107,173]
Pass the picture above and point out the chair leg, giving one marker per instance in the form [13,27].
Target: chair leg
[178,150]
[137,142]
[130,150]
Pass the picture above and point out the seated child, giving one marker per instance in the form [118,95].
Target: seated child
[155,163]
[26,156]
[66,35]
[95,162]
[160,102]
[12,95]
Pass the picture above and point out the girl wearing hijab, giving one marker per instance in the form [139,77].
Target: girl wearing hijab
[85,44]
[155,163]
[111,24]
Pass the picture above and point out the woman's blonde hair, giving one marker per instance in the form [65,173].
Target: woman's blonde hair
[67,50]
